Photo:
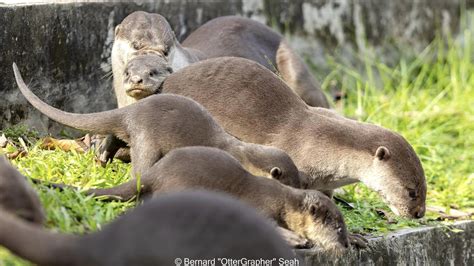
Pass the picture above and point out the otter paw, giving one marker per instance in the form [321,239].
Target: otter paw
[358,240]
[294,240]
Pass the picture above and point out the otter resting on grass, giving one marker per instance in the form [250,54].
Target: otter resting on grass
[309,214]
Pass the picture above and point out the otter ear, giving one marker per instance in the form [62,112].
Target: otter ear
[276,172]
[382,153]
[117,30]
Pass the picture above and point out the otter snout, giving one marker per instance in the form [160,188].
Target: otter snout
[418,212]
[136,79]
[144,75]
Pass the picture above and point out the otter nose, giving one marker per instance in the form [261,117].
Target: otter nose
[419,212]
[136,79]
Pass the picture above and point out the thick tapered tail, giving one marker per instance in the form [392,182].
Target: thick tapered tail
[108,122]
[122,192]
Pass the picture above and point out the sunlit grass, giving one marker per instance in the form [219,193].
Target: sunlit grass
[429,99]
[70,211]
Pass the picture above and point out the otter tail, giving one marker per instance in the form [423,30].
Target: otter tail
[297,76]
[108,122]
[122,192]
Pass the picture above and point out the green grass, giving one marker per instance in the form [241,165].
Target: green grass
[429,99]
[71,211]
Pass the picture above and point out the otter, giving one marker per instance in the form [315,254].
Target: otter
[17,196]
[159,123]
[308,213]
[224,36]
[163,231]
[251,103]
[145,33]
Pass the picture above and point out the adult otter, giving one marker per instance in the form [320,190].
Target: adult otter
[252,104]
[223,36]
[159,123]
[17,196]
[308,213]
[194,225]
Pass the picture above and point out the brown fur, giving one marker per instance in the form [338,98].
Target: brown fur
[160,123]
[308,213]
[246,38]
[145,33]
[17,196]
[197,225]
[332,150]
[223,36]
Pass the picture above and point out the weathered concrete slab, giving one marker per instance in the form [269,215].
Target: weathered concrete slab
[418,246]
[64,49]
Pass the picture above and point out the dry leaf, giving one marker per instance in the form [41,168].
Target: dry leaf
[453,213]
[63,144]
[16,154]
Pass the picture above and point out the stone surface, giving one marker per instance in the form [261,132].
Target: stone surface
[453,245]
[64,49]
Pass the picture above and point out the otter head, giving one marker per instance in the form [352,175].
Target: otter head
[395,172]
[319,220]
[17,196]
[142,31]
[144,75]
[273,163]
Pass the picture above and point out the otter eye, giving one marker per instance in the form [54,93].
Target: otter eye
[339,229]
[276,172]
[412,193]
[153,72]
[136,45]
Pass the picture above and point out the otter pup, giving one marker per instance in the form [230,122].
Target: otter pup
[251,103]
[159,123]
[308,213]
[195,225]
[17,196]
[223,36]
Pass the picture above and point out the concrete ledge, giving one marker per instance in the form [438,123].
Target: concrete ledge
[418,246]
[64,49]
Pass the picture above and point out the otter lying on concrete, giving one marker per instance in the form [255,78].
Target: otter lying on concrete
[156,125]
[195,225]
[17,196]
[223,36]
[308,213]
[251,103]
